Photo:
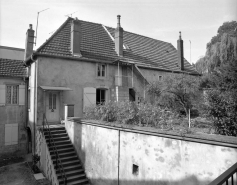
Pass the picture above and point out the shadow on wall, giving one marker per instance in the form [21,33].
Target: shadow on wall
[190,180]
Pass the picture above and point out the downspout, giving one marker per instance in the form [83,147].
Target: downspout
[35,100]
[118,154]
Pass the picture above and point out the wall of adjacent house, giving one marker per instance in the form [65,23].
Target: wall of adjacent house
[13,135]
[153,75]
[112,154]
[12,53]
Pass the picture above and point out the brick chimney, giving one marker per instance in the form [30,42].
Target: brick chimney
[29,42]
[76,37]
[180,52]
[119,38]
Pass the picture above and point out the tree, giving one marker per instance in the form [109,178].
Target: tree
[222,98]
[177,91]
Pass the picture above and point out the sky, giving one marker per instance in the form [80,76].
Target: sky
[198,20]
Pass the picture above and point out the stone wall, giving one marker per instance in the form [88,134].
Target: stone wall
[111,154]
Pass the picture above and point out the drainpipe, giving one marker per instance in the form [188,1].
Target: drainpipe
[118,154]
[35,101]
[132,75]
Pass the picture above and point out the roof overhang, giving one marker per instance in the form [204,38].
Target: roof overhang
[50,88]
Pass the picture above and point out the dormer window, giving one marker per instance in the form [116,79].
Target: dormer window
[101,70]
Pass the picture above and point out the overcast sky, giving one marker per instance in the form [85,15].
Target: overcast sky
[198,20]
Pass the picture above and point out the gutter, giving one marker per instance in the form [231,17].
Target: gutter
[32,58]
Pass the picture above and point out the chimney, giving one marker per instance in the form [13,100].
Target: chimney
[76,37]
[119,38]
[180,52]
[29,42]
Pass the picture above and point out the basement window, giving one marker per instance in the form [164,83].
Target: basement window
[135,169]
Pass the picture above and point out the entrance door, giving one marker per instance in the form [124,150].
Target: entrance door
[52,106]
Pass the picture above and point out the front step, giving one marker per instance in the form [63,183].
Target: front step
[67,155]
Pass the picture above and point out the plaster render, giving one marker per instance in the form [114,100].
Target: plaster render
[160,160]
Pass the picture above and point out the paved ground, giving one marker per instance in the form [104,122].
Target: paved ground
[19,174]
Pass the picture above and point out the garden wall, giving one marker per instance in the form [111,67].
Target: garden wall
[125,156]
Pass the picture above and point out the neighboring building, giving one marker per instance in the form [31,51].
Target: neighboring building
[86,63]
[13,132]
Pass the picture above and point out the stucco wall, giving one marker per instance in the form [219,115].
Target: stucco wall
[11,114]
[161,160]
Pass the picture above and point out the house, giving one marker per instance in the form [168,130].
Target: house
[86,63]
[13,108]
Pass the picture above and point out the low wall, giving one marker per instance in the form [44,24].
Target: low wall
[113,155]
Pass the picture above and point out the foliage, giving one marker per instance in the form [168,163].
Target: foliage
[177,92]
[227,27]
[222,100]
[143,114]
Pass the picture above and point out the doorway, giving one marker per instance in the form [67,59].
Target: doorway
[52,106]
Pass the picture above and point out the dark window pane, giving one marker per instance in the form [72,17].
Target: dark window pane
[98,70]
[103,70]
[15,94]
[54,101]
[8,95]
[50,100]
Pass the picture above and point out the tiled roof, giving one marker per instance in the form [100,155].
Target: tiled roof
[97,44]
[9,67]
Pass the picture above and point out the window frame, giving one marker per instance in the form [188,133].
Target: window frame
[12,90]
[100,94]
[100,71]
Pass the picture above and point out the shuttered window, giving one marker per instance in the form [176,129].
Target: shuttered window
[11,134]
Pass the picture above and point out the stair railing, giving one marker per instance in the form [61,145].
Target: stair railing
[51,143]
[227,176]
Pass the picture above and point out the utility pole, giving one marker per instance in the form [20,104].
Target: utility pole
[37,23]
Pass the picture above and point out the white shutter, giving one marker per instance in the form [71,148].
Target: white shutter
[89,96]
[2,95]
[8,128]
[14,134]
[21,94]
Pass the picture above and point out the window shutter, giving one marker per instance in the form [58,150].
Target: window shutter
[89,96]
[8,128]
[14,134]
[2,95]
[21,94]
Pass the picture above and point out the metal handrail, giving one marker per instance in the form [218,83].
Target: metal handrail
[225,177]
[51,141]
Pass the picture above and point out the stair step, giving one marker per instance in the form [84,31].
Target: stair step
[63,146]
[57,135]
[67,154]
[66,142]
[54,132]
[54,128]
[58,139]
[65,159]
[63,150]
[71,168]
[69,163]
[71,173]
[77,182]
[73,177]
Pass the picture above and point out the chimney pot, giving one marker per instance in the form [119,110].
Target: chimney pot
[30,26]
[118,17]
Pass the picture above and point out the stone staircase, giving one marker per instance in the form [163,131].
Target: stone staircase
[71,164]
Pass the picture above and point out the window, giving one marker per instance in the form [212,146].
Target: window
[101,70]
[100,96]
[52,101]
[160,78]
[11,134]
[12,92]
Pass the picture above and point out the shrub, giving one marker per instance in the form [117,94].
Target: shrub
[143,114]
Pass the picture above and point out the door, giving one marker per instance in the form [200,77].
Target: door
[52,106]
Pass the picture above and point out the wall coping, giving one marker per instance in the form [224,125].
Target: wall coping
[213,139]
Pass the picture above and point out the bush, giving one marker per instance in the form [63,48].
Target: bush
[223,109]
[143,114]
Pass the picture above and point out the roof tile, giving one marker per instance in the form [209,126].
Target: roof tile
[9,67]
